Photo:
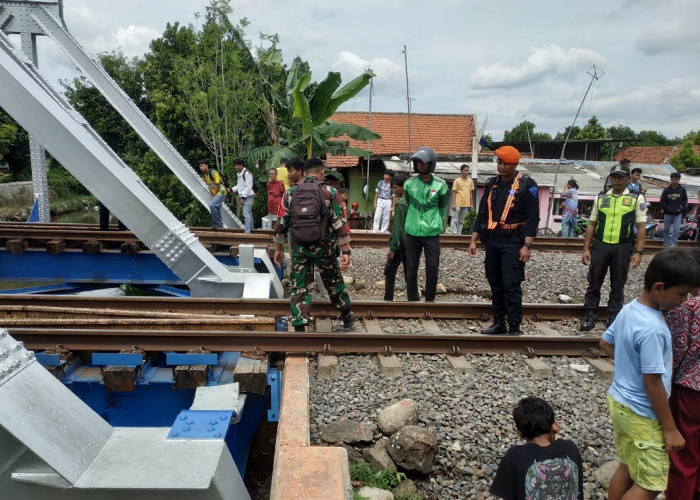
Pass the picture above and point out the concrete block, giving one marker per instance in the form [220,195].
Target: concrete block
[539,368]
[460,365]
[372,326]
[545,329]
[431,327]
[602,367]
[327,367]
[323,325]
[389,366]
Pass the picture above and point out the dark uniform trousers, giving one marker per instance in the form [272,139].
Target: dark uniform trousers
[617,258]
[505,272]
[414,246]
[390,269]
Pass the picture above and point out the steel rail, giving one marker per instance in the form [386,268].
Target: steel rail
[181,340]
[279,307]
[78,233]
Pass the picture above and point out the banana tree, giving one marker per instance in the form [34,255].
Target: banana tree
[313,134]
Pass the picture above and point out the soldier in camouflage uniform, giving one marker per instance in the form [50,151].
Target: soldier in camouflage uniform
[323,254]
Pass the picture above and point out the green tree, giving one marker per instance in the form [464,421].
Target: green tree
[575,130]
[686,157]
[652,138]
[8,135]
[523,132]
[14,148]
[592,130]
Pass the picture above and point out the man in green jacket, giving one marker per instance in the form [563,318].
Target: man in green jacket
[427,197]
[397,252]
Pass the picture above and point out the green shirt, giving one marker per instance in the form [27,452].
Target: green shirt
[397,227]
[427,205]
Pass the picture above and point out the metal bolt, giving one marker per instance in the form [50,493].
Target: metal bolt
[18,346]
[210,429]
[213,422]
[29,354]
[222,417]
[218,434]
[183,417]
[185,429]
[189,422]
[3,334]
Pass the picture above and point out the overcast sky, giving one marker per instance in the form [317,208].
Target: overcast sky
[505,59]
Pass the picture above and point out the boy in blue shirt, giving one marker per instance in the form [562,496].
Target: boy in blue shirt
[640,343]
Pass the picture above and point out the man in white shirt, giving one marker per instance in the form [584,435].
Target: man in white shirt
[246,196]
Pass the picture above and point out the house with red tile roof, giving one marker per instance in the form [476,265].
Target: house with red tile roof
[650,155]
[447,135]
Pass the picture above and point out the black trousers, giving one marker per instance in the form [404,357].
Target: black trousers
[390,269]
[414,246]
[603,257]
[505,272]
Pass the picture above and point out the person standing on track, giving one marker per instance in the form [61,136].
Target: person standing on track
[506,223]
[611,224]
[427,197]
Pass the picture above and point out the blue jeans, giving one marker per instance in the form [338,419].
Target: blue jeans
[567,230]
[215,209]
[674,220]
[248,213]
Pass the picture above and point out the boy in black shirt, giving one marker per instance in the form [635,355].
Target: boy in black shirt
[543,467]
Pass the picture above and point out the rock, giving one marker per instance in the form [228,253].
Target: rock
[605,473]
[440,288]
[456,446]
[413,448]
[360,284]
[398,415]
[405,489]
[375,493]
[346,431]
[349,280]
[354,456]
[484,293]
[379,284]
[378,457]
[565,299]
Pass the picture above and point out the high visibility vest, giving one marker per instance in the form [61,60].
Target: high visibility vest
[616,217]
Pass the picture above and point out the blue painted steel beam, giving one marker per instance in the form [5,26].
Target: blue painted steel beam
[108,266]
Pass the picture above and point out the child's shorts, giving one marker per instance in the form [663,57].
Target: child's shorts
[640,445]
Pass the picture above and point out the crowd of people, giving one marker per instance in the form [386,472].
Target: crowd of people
[655,392]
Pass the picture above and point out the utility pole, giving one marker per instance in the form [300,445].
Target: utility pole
[529,141]
[593,72]
[408,98]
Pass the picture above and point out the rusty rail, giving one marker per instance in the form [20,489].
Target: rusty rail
[179,340]
[138,306]
[74,235]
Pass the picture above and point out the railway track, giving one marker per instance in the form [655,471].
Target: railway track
[157,323]
[17,237]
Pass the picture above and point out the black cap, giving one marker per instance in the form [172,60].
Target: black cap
[619,169]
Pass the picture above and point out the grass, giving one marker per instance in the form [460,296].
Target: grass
[362,474]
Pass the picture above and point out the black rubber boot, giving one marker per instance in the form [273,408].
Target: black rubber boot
[299,328]
[588,321]
[498,327]
[349,319]
[514,329]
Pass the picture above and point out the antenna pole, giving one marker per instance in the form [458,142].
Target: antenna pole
[408,98]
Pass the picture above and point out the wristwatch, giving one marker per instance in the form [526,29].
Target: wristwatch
[529,245]
[640,252]
[346,252]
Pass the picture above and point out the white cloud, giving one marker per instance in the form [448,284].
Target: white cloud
[669,36]
[543,63]
[133,40]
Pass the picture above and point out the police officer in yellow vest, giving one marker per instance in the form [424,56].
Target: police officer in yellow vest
[611,229]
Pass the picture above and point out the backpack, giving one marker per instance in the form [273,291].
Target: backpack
[255,181]
[308,212]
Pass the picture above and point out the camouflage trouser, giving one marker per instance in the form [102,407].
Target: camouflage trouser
[303,281]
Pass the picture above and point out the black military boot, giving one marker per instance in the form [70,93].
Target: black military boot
[611,318]
[299,328]
[349,319]
[588,321]
[514,328]
[498,327]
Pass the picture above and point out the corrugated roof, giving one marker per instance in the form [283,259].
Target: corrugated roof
[589,175]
